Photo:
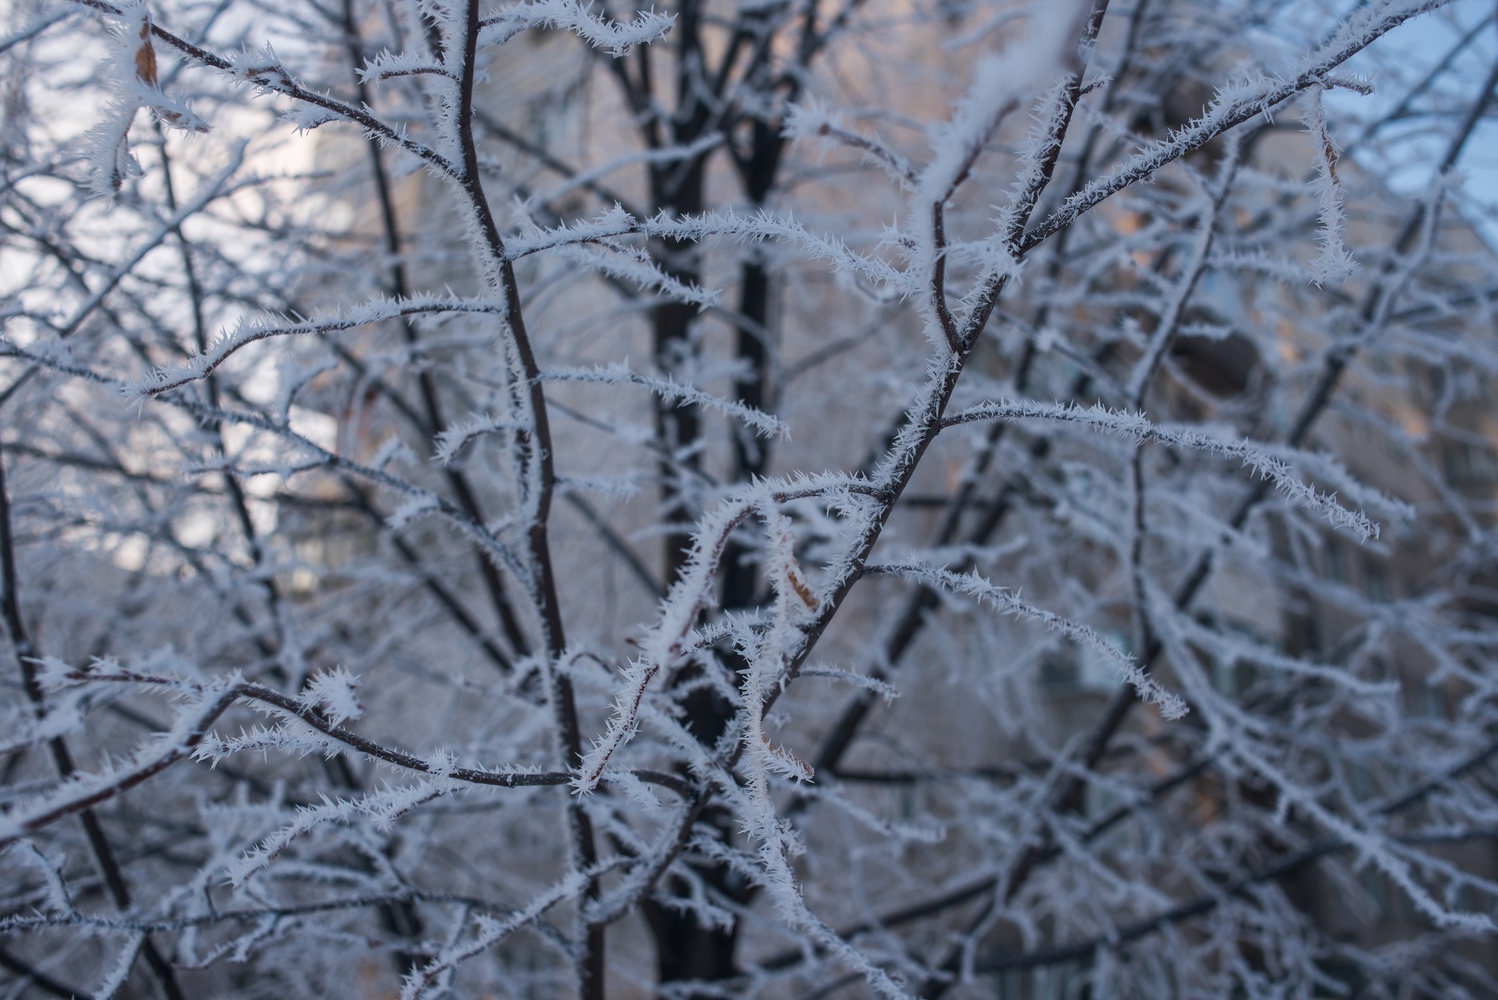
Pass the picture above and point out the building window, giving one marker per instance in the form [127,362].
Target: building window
[1432,700]
[1466,464]
[1057,677]
[1333,561]
[1225,676]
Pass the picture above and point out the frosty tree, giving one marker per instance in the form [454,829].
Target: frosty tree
[777,499]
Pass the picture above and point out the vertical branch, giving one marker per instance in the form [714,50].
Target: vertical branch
[265,580]
[836,743]
[1168,326]
[538,473]
[26,654]
[676,189]
[398,283]
[401,916]
[754,348]
[1376,303]
[1138,531]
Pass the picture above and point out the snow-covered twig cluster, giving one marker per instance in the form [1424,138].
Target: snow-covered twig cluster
[1043,544]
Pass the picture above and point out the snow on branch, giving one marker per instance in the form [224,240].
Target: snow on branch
[613,37]
[811,120]
[84,790]
[63,717]
[335,694]
[1331,689]
[764,225]
[391,65]
[418,500]
[460,433]
[383,807]
[865,682]
[1269,461]
[263,69]
[727,224]
[1372,845]
[667,641]
[248,332]
[429,979]
[637,268]
[1171,706]
[1235,105]
[999,84]
[1334,262]
[132,71]
[655,157]
[188,736]
[673,392]
[1235,647]
[120,970]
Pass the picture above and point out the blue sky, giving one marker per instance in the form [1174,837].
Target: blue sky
[1396,65]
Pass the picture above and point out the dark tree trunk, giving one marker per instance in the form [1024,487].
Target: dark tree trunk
[686,949]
